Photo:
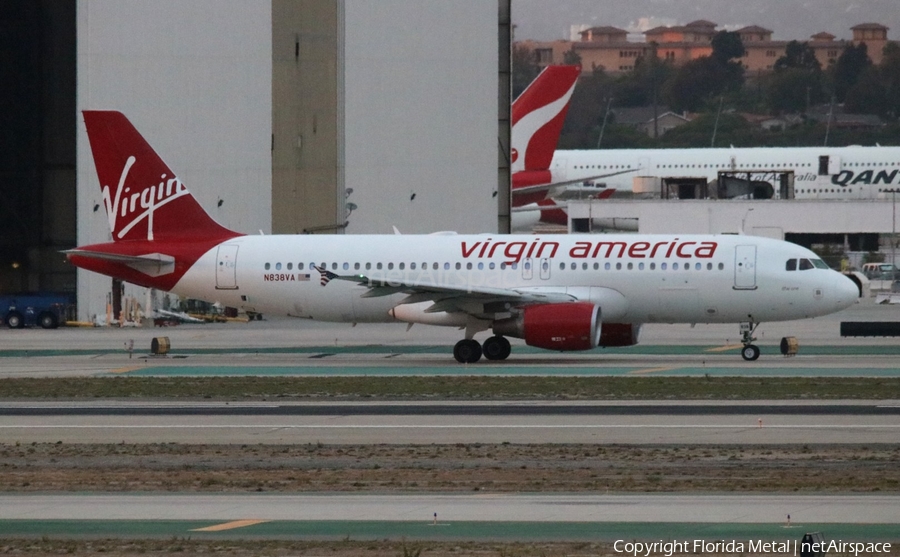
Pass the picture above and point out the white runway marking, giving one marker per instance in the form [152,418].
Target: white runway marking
[432,426]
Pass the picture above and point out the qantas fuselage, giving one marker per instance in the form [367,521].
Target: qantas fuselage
[819,173]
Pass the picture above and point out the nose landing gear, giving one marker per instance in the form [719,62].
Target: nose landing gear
[750,352]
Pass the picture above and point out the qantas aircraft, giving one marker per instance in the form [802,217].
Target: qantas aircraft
[537,120]
[572,292]
[819,172]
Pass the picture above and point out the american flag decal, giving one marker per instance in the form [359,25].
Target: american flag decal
[327,276]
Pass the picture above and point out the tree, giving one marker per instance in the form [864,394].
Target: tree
[799,56]
[852,62]
[726,46]
[790,89]
[699,81]
[524,69]
[877,89]
[571,58]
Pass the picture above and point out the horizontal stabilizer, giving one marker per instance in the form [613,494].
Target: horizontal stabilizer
[151,264]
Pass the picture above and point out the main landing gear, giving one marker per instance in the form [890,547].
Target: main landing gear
[750,351]
[468,351]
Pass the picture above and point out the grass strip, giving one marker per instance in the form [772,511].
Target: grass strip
[457,387]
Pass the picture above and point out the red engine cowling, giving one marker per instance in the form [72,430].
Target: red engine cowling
[619,334]
[574,326]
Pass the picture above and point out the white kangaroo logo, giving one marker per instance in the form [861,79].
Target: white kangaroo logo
[150,199]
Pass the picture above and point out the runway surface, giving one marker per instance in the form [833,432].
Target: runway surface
[479,516]
[288,347]
[397,423]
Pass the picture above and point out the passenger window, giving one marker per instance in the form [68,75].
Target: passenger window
[446,266]
[562,266]
[368,266]
[480,266]
[278,266]
[299,266]
[458,266]
[791,265]
[805,264]
[618,266]
[653,266]
[606,266]
[378,266]
[596,266]
[641,266]
[503,266]
[434,266]
[412,267]
[584,266]
[290,266]
[674,266]
[346,266]
[469,266]
[356,266]
[630,265]
[574,265]
[402,266]
[491,265]
[268,266]
[721,266]
[697,266]
[663,265]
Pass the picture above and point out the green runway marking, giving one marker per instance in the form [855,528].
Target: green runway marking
[640,350]
[425,530]
[492,369]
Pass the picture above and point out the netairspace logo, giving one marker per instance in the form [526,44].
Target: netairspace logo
[785,547]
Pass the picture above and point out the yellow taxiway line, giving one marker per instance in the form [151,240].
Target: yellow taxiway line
[229,525]
[726,347]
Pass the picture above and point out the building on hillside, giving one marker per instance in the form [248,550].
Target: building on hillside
[609,49]
[642,119]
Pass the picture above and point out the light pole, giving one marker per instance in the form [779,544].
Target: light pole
[893,193]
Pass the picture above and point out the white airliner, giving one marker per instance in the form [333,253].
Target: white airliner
[572,292]
[819,172]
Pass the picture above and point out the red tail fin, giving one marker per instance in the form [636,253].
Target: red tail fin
[144,199]
[538,115]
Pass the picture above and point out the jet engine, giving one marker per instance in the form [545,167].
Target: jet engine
[574,326]
[620,334]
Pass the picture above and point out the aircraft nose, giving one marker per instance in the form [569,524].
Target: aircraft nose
[846,291]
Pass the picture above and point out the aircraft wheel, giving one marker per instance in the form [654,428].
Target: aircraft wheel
[467,351]
[14,320]
[750,352]
[496,348]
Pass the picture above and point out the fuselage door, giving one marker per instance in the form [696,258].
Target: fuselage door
[745,267]
[226,267]
[545,268]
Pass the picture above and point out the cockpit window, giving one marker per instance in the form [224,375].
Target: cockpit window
[820,264]
[805,264]
[791,265]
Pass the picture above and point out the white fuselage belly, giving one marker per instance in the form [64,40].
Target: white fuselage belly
[850,172]
[721,290]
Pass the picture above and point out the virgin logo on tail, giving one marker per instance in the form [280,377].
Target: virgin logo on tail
[141,204]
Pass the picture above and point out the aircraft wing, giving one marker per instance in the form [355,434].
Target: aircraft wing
[545,187]
[447,298]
